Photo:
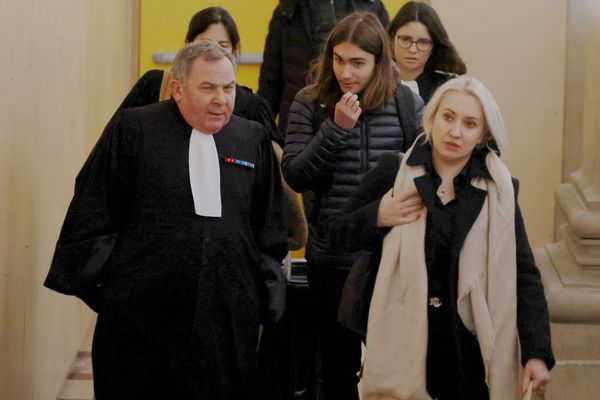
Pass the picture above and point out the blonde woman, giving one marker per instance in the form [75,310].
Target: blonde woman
[457,290]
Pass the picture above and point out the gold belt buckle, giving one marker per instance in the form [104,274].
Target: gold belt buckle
[435,302]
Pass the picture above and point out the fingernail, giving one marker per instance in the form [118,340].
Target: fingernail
[418,216]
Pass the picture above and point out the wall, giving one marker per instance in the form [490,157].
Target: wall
[165,32]
[66,65]
[574,85]
[570,267]
[518,49]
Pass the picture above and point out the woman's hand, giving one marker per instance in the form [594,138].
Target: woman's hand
[399,210]
[535,371]
[347,111]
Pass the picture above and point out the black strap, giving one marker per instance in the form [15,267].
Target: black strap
[320,114]
[405,106]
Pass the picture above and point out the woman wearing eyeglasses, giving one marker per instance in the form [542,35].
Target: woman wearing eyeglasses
[422,50]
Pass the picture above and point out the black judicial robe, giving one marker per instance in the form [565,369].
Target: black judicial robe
[178,295]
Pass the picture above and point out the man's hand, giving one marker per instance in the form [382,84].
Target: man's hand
[347,111]
[399,210]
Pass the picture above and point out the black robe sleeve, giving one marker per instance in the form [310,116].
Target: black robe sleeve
[92,223]
[270,232]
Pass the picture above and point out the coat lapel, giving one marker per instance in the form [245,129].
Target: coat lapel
[470,199]
[425,188]
[470,202]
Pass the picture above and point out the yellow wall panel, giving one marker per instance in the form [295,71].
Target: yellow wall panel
[164,23]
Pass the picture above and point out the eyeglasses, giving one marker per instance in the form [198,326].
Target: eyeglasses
[406,41]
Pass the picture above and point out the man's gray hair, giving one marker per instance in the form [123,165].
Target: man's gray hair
[205,49]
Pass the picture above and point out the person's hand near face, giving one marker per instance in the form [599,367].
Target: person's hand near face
[353,68]
[347,111]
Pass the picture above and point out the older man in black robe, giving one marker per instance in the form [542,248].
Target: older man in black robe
[175,236]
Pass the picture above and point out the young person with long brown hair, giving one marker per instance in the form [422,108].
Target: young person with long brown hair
[338,128]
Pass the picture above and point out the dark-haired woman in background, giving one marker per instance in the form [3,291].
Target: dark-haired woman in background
[422,50]
[337,130]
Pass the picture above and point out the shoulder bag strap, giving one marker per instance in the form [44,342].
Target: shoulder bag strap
[165,88]
[405,106]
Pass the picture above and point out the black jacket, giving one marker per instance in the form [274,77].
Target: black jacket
[429,81]
[330,162]
[356,229]
[294,40]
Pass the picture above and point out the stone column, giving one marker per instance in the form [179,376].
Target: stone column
[571,267]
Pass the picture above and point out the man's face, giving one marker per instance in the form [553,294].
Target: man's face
[207,98]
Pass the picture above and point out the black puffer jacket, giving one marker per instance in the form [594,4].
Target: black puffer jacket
[297,31]
[330,162]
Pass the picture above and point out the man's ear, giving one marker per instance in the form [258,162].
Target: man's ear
[176,89]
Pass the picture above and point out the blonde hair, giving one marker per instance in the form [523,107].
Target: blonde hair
[496,138]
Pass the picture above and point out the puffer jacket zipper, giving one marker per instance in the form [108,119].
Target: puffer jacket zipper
[364,144]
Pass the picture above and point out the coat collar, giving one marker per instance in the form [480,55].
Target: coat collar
[470,199]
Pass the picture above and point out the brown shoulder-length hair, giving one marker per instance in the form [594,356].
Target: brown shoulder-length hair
[364,30]
[444,56]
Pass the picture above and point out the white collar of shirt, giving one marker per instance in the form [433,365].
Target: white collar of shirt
[205,174]
[413,85]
